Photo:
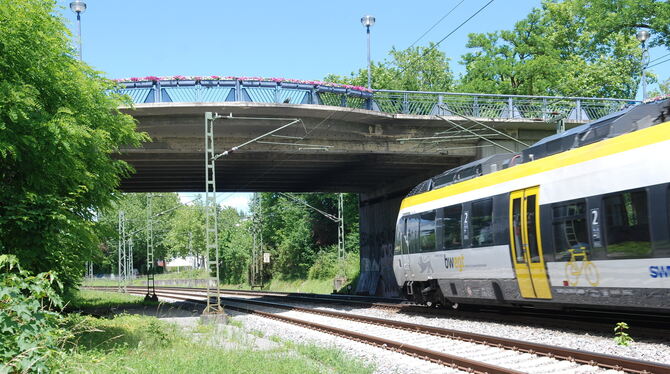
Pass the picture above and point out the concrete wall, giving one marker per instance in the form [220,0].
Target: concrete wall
[377,229]
[378,212]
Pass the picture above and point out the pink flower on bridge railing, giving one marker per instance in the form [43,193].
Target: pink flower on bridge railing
[656,98]
[231,78]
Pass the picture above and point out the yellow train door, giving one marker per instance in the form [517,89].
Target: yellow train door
[526,244]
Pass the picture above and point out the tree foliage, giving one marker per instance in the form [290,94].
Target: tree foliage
[58,128]
[164,208]
[411,69]
[186,234]
[297,236]
[558,49]
[30,329]
[626,17]
[565,48]
[235,244]
[663,89]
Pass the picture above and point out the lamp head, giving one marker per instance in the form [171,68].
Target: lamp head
[368,21]
[643,35]
[78,6]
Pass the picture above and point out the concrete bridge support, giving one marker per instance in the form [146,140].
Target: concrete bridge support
[377,231]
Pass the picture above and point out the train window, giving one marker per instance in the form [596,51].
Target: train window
[570,229]
[413,234]
[399,236]
[482,223]
[427,231]
[451,227]
[627,224]
[531,228]
[517,232]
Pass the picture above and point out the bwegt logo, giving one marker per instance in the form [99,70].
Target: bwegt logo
[457,262]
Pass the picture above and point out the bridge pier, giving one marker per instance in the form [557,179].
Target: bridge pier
[377,230]
[378,211]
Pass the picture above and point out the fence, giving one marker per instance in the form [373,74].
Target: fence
[577,109]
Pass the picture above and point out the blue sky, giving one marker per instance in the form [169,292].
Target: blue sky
[290,39]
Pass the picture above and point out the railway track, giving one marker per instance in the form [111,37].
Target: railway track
[439,345]
[646,324]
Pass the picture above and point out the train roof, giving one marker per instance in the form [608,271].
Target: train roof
[627,120]
[630,119]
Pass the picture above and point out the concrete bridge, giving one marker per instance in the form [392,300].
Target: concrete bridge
[378,144]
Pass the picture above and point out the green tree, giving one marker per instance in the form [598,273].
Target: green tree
[234,246]
[186,235]
[165,207]
[58,129]
[663,89]
[298,237]
[626,17]
[411,69]
[553,51]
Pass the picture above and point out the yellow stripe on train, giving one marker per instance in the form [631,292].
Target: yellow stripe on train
[621,143]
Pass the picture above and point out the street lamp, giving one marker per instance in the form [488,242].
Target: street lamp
[643,36]
[78,7]
[368,21]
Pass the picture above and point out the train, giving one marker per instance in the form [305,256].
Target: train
[579,219]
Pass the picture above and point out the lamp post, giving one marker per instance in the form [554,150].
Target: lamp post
[368,21]
[643,36]
[78,7]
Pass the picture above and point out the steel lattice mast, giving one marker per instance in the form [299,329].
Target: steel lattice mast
[151,269]
[122,252]
[211,224]
[340,235]
[129,259]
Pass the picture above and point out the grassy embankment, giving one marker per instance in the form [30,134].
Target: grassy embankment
[320,286]
[141,344]
[323,286]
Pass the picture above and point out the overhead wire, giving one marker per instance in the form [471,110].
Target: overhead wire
[462,23]
[658,63]
[308,132]
[437,23]
[658,58]
[428,50]
[271,166]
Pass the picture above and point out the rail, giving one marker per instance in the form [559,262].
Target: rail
[280,91]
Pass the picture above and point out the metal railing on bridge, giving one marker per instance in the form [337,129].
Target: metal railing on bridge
[576,109]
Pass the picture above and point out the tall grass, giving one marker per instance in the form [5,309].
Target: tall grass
[90,299]
[140,344]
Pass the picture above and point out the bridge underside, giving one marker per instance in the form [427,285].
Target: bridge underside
[332,149]
[269,172]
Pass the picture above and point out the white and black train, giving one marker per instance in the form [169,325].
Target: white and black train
[579,219]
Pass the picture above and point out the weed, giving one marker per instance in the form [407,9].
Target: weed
[203,328]
[235,323]
[621,336]
[257,333]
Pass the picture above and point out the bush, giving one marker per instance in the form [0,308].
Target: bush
[325,264]
[30,329]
